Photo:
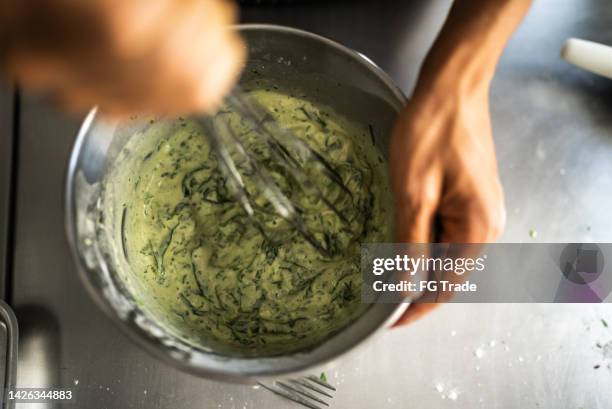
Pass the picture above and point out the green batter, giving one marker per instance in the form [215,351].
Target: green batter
[220,279]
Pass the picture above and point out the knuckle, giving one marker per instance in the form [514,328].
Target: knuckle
[500,221]
[418,202]
[419,194]
[486,221]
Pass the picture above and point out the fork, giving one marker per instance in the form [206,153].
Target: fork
[303,391]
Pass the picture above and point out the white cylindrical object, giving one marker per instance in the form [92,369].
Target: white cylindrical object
[589,55]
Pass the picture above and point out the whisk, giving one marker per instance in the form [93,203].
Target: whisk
[290,156]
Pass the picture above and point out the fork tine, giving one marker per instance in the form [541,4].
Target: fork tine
[291,396]
[321,382]
[312,387]
[299,389]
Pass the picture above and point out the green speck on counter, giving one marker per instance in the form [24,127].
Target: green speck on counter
[533,233]
[323,377]
[604,323]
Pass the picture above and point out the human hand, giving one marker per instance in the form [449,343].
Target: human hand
[135,56]
[443,166]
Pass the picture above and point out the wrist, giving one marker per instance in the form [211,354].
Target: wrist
[452,90]
[461,72]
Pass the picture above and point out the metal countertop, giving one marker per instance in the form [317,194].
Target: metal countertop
[553,130]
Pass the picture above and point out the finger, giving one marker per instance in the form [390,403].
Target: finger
[415,213]
[222,75]
[415,210]
[415,312]
[478,221]
[206,58]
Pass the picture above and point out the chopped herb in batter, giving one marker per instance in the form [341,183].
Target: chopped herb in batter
[252,286]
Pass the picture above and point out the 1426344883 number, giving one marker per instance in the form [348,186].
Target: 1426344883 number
[32,395]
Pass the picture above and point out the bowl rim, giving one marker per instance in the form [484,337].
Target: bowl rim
[344,49]
[138,335]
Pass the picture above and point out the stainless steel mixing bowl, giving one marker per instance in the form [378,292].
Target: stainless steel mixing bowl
[324,70]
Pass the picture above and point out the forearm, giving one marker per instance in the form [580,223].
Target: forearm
[467,50]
